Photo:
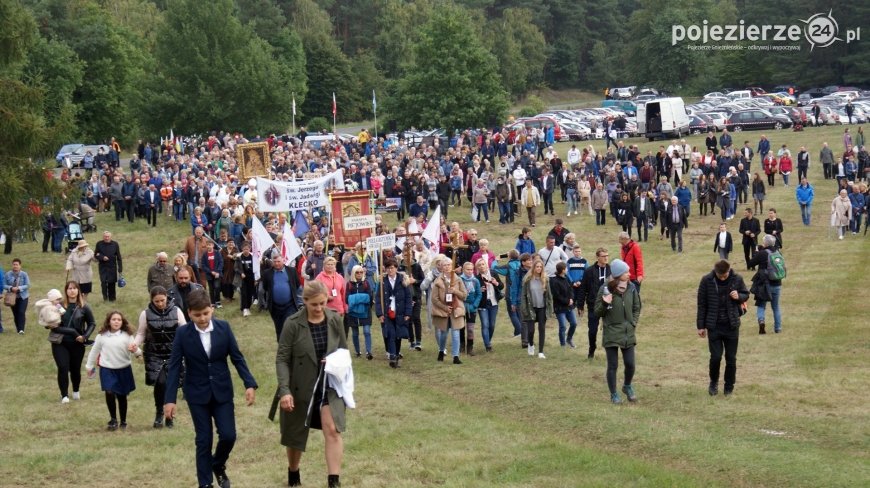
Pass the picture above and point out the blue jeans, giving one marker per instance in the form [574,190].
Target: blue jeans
[488,316]
[367,332]
[441,338]
[504,212]
[775,292]
[178,211]
[515,320]
[806,212]
[572,200]
[482,209]
[562,317]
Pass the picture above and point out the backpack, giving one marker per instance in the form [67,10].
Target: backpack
[775,266]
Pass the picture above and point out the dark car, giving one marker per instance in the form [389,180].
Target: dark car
[756,119]
[794,114]
[697,125]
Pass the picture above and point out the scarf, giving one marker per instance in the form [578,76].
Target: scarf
[490,289]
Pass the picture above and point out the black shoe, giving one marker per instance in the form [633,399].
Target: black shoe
[169,423]
[158,420]
[761,327]
[728,392]
[369,356]
[441,355]
[220,474]
[394,364]
[123,425]
[713,389]
[400,356]
[456,360]
[293,478]
[418,347]
[113,425]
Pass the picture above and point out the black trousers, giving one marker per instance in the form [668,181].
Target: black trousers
[214,288]
[747,253]
[548,203]
[643,226]
[415,328]
[600,216]
[541,319]
[119,209]
[108,290]
[151,215]
[613,365]
[723,339]
[827,170]
[68,359]
[248,292]
[802,173]
[128,209]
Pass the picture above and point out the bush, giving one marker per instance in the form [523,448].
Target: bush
[528,112]
[318,124]
[535,104]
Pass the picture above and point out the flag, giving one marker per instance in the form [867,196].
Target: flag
[294,106]
[374,101]
[338,179]
[334,106]
[289,247]
[300,224]
[433,230]
[260,243]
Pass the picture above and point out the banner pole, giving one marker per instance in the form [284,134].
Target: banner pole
[381,282]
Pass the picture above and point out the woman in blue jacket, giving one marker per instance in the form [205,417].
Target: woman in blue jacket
[472,300]
[360,298]
[859,206]
[805,194]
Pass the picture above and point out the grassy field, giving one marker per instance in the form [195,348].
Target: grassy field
[798,416]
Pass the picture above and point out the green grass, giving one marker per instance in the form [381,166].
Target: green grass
[798,416]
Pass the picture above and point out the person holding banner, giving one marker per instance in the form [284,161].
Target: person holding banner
[393,309]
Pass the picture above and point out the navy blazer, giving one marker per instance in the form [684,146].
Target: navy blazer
[403,296]
[206,377]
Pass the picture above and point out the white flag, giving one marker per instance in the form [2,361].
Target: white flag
[294,106]
[374,101]
[289,247]
[432,232]
[260,243]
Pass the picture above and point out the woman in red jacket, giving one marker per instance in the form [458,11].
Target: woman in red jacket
[770,165]
[785,166]
[335,286]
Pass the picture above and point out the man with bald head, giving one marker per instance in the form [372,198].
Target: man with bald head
[676,219]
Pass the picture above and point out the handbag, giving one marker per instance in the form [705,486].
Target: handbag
[10,298]
[55,337]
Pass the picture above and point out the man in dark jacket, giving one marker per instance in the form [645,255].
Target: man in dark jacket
[720,297]
[677,219]
[593,279]
[558,232]
[750,227]
[108,253]
[394,308]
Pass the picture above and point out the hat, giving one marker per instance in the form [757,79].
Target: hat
[54,294]
[82,244]
[618,268]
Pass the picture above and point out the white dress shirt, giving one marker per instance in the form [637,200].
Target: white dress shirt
[205,337]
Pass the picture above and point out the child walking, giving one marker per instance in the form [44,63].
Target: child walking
[114,347]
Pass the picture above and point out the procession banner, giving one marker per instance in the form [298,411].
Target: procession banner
[281,196]
[352,218]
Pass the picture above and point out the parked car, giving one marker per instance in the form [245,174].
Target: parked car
[624,93]
[756,90]
[719,120]
[697,125]
[804,99]
[576,131]
[715,94]
[792,113]
[756,119]
[536,122]
[74,158]
[65,151]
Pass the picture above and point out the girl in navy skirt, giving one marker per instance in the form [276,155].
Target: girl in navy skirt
[114,347]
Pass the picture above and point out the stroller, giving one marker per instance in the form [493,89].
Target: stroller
[73,232]
[88,219]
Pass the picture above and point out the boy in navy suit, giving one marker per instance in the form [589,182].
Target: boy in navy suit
[204,345]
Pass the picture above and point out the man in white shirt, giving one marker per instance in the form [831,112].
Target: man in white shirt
[573,155]
[551,256]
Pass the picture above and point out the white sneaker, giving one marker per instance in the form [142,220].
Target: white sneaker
[255,302]
[541,356]
[76,396]
[64,400]
[841,238]
[531,350]
[246,312]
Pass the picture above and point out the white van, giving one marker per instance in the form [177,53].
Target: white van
[738,94]
[663,117]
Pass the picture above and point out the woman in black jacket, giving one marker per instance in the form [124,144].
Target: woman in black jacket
[563,304]
[76,325]
[625,213]
[492,291]
[157,326]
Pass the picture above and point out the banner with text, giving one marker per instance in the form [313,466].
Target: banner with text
[281,196]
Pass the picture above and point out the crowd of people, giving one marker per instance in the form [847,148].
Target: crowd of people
[329,293]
